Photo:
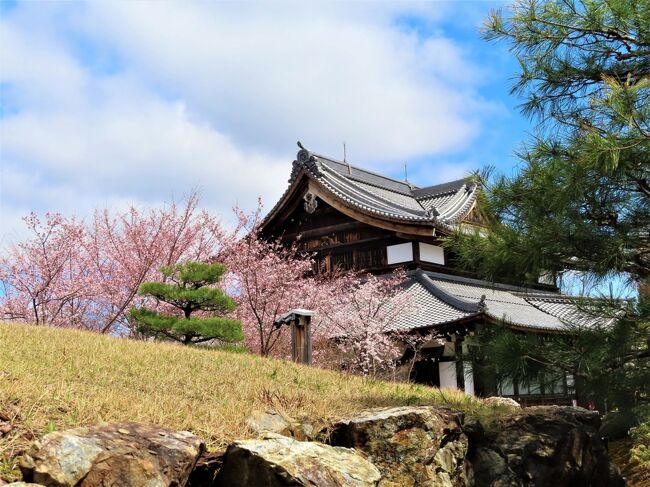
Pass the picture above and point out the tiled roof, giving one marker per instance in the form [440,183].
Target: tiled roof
[441,299]
[365,176]
[436,201]
[573,311]
[441,206]
[440,189]
[430,309]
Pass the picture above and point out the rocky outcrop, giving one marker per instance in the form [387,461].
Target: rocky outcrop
[502,401]
[113,454]
[388,447]
[558,446]
[410,445]
[278,461]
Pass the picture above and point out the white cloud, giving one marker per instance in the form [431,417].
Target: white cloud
[320,73]
[214,96]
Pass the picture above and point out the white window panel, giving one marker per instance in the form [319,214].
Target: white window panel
[399,253]
[432,253]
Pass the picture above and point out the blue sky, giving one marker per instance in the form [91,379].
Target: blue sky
[113,103]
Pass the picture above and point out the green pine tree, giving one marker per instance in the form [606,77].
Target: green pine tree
[189,288]
[580,200]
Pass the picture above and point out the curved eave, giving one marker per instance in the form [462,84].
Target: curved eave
[528,328]
[365,215]
[285,199]
[331,188]
[481,315]
[463,305]
[296,188]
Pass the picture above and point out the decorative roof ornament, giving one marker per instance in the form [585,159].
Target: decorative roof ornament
[310,202]
[432,213]
[482,307]
[307,159]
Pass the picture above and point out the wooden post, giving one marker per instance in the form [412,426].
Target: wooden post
[300,322]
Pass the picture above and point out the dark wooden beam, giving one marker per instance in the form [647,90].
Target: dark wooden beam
[324,231]
[356,245]
[416,252]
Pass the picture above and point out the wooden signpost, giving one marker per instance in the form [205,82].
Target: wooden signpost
[300,322]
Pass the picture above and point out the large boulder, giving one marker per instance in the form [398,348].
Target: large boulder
[128,454]
[410,445]
[275,460]
[551,445]
[271,421]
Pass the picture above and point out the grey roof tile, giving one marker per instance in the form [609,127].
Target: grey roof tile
[572,311]
[442,300]
[430,310]
[365,176]
[440,189]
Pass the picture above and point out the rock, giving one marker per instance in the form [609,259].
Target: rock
[276,460]
[502,401]
[275,422]
[474,431]
[113,454]
[269,421]
[21,484]
[551,445]
[206,470]
[489,464]
[410,445]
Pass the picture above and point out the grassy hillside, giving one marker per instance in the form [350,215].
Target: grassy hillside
[53,379]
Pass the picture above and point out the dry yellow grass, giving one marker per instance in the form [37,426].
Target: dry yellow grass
[56,379]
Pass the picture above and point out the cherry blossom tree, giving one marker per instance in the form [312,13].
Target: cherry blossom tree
[44,279]
[130,248]
[354,313]
[361,321]
[73,274]
[268,279]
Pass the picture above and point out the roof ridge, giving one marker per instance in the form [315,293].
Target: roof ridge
[446,188]
[454,301]
[470,281]
[463,179]
[327,158]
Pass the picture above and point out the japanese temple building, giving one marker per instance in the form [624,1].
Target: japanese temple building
[359,220]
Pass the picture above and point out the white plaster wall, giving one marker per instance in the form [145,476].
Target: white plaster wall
[447,372]
[432,253]
[399,253]
[469,378]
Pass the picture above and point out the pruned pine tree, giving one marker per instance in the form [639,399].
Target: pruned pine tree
[190,288]
[580,201]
